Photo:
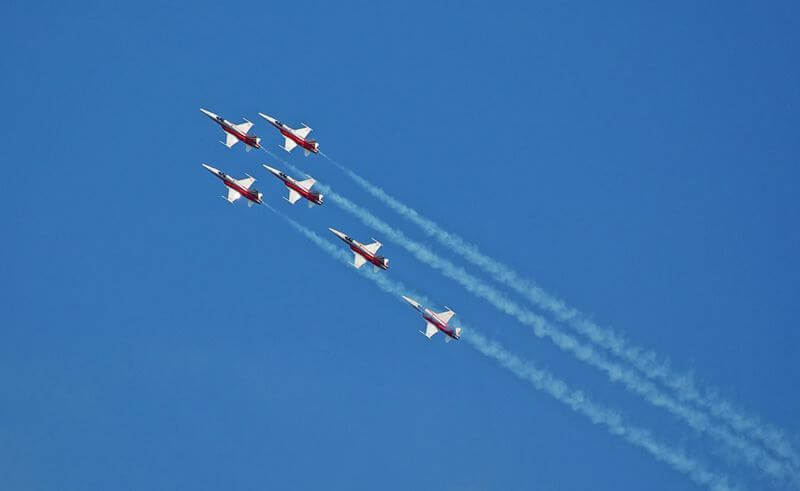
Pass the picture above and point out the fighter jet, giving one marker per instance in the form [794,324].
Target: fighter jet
[237,188]
[294,137]
[235,132]
[363,253]
[297,189]
[436,322]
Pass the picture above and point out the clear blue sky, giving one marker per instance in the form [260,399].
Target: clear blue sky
[639,160]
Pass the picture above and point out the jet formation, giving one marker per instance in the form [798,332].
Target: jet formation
[362,253]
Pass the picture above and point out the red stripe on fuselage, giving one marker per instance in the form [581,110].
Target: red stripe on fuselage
[303,143]
[252,196]
[366,255]
[246,139]
[313,197]
[428,316]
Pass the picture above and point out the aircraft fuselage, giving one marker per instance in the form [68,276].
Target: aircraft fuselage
[375,259]
[251,194]
[309,145]
[250,140]
[431,317]
[315,198]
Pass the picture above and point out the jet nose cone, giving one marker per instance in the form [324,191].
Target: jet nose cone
[267,117]
[208,113]
[339,234]
[413,302]
[271,169]
[211,169]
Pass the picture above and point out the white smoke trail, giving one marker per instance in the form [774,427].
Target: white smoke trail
[644,360]
[546,382]
[612,420]
[752,454]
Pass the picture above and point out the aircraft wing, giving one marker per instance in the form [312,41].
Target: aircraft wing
[246,182]
[233,195]
[302,132]
[289,145]
[230,140]
[373,248]
[293,196]
[446,315]
[244,127]
[358,260]
[430,330]
[307,183]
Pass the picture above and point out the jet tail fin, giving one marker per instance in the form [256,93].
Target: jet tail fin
[458,331]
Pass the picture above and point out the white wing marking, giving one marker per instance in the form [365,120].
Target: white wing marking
[358,260]
[246,182]
[446,315]
[230,140]
[430,330]
[289,145]
[302,132]
[373,248]
[306,184]
[294,196]
[233,195]
[244,127]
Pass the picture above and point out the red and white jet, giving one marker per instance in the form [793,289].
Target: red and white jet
[235,132]
[363,252]
[237,187]
[435,322]
[297,189]
[294,137]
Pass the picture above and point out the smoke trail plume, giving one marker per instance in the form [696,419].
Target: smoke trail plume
[644,360]
[752,454]
[548,383]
